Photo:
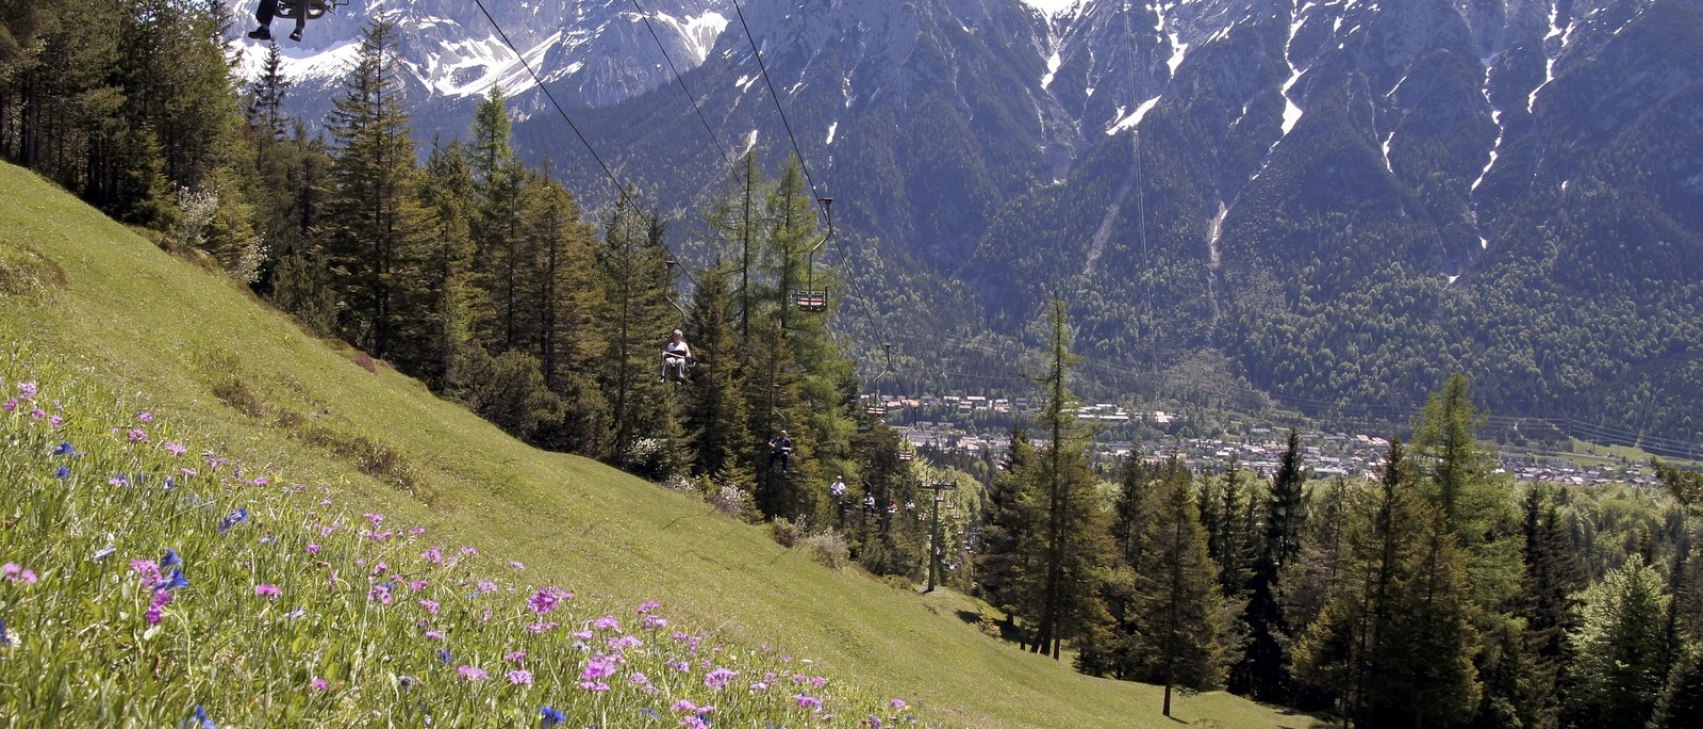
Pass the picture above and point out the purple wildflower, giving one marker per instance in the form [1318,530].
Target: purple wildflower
[648,606]
[719,678]
[519,677]
[431,607]
[320,684]
[268,591]
[806,701]
[607,622]
[897,704]
[472,673]
[516,657]
[176,449]
[543,602]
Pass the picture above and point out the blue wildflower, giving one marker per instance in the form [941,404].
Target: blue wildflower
[64,449]
[5,640]
[443,655]
[200,720]
[647,711]
[551,717]
[267,539]
[170,560]
[104,552]
[62,473]
[237,517]
[171,483]
[173,581]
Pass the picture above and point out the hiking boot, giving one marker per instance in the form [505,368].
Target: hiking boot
[296,36]
[261,33]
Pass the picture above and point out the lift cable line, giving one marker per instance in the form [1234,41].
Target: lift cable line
[777,97]
[804,167]
[622,195]
[682,81]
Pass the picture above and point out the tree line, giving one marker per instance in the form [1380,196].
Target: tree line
[1437,594]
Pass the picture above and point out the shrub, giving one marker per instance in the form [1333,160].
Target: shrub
[827,548]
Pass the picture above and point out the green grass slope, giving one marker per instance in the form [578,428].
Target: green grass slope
[204,354]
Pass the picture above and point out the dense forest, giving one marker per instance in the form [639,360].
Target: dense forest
[1440,594]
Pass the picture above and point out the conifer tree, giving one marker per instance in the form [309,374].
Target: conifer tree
[1065,543]
[1178,604]
[1004,520]
[447,325]
[266,97]
[1548,606]
[376,225]
[1395,640]
[1681,701]
[632,323]
[715,420]
[1615,677]
[1476,503]
[1261,672]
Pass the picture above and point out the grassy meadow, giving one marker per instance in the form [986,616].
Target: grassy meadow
[284,622]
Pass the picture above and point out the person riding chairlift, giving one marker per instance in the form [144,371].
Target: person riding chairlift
[269,8]
[780,449]
[674,357]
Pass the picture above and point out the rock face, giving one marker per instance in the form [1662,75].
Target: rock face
[1341,200]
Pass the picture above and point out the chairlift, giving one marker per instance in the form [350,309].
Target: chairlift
[314,9]
[810,298]
[906,454]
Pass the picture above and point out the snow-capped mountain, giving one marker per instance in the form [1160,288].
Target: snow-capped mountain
[1257,179]
[591,53]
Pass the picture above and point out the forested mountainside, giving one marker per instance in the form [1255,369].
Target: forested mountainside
[1348,199]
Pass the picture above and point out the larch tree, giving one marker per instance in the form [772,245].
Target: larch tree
[1066,544]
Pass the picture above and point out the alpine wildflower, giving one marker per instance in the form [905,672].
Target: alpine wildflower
[268,591]
[550,717]
[234,518]
[520,677]
[472,673]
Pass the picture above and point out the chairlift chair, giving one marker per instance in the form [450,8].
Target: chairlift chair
[906,454]
[292,9]
[810,298]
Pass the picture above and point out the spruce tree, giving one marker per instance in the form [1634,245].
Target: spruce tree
[1261,672]
[1004,520]
[376,225]
[715,419]
[632,323]
[1614,680]
[1460,481]
[1178,604]
[446,327]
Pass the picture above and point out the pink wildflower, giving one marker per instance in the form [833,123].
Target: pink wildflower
[472,673]
[607,622]
[516,657]
[434,634]
[313,549]
[431,607]
[535,628]
[896,704]
[320,685]
[418,585]
[516,565]
[648,605]
[379,594]
[137,435]
[145,416]
[416,531]
[376,519]
[806,701]
[485,586]
[519,677]
[10,405]
[267,591]
[655,622]
[684,705]
[432,556]
[469,551]
[873,722]
[147,571]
